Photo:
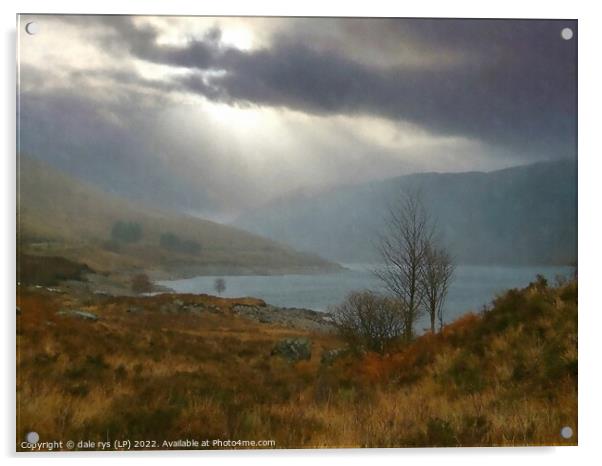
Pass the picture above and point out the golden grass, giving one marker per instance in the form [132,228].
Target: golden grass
[507,377]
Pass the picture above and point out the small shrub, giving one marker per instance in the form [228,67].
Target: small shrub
[141,284]
[540,283]
[369,321]
[569,293]
[467,373]
[554,365]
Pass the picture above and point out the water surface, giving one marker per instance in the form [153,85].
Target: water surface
[471,289]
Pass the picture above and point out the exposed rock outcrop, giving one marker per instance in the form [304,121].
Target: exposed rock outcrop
[305,319]
[293,349]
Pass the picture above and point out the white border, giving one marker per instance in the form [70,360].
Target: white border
[590,234]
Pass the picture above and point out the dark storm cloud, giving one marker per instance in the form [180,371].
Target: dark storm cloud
[514,86]
[510,85]
[117,146]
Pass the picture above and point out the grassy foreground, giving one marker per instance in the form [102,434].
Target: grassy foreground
[507,376]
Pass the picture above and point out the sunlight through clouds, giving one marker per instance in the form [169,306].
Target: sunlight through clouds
[285,103]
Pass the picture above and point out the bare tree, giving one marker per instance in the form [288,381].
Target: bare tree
[368,320]
[219,285]
[403,245]
[435,277]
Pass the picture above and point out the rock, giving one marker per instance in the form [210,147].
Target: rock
[195,308]
[178,306]
[305,319]
[329,356]
[134,310]
[54,290]
[169,308]
[293,349]
[79,314]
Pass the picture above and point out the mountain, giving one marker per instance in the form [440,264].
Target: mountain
[520,215]
[61,216]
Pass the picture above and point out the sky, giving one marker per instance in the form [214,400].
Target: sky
[217,115]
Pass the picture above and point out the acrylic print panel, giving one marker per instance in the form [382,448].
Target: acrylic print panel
[260,233]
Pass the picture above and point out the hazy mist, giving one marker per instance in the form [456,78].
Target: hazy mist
[216,116]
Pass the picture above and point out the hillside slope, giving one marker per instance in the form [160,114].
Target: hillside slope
[58,215]
[506,376]
[521,215]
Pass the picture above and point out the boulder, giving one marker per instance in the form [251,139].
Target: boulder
[172,307]
[293,349]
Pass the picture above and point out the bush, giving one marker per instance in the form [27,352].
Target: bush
[141,284]
[466,373]
[369,321]
[126,232]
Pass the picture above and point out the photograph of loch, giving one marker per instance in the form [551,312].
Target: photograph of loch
[278,233]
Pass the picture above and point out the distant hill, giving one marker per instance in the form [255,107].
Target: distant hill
[521,215]
[60,216]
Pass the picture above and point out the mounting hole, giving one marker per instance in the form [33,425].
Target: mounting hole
[566,432]
[32,437]
[32,28]
[566,33]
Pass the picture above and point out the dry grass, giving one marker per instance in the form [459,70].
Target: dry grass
[507,377]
